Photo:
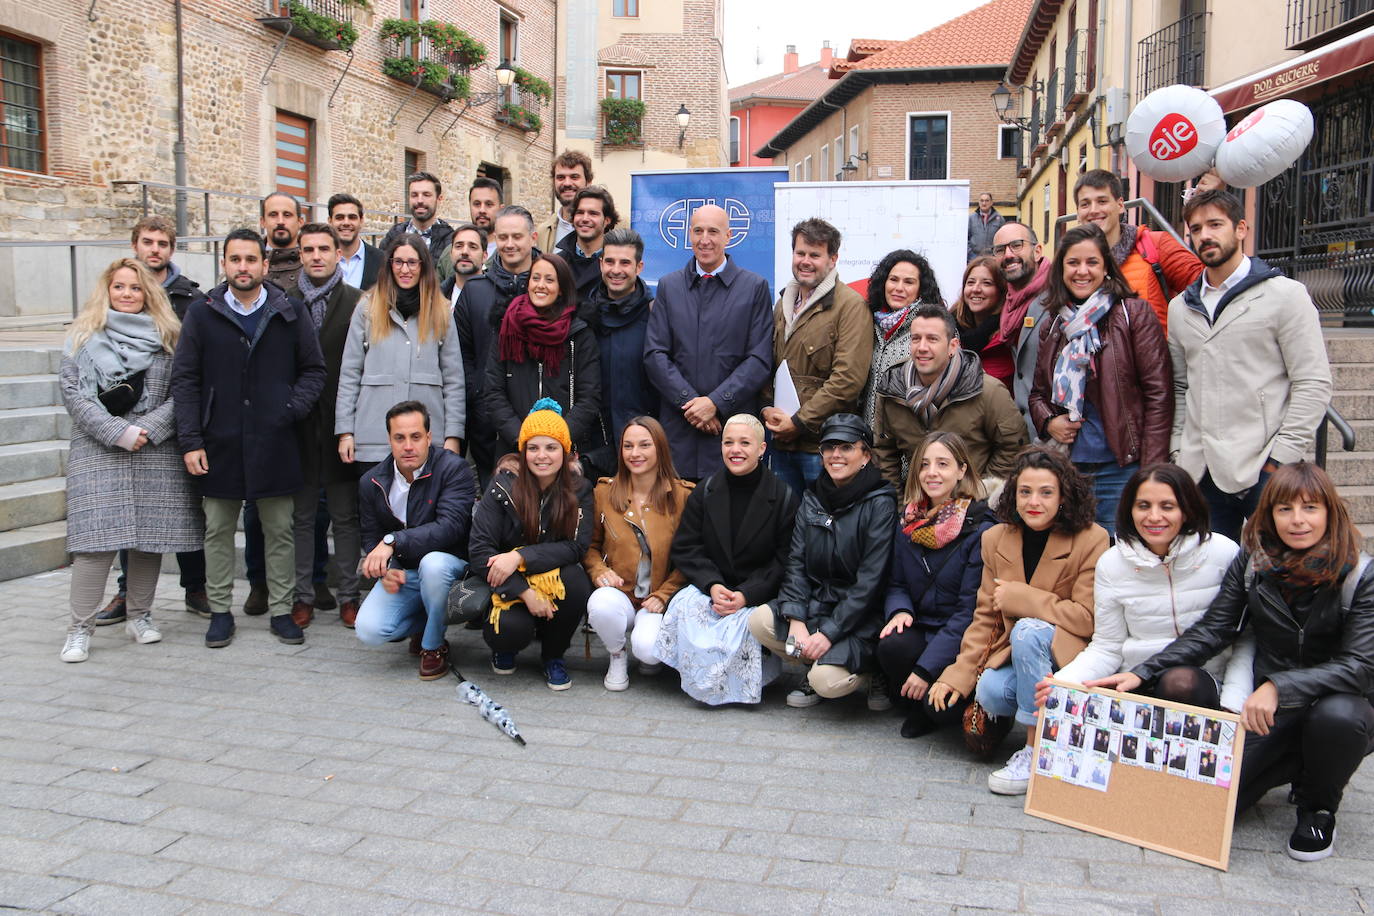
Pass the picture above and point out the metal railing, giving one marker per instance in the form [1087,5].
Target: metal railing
[1340,281]
[1035,123]
[1053,111]
[1076,64]
[1139,203]
[1309,19]
[1174,54]
[1343,428]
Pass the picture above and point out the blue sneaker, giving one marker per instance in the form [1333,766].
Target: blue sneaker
[557,674]
[503,662]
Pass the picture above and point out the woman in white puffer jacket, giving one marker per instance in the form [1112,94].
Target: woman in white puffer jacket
[1159,577]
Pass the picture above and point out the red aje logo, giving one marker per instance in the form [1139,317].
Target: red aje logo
[1173,136]
[1250,121]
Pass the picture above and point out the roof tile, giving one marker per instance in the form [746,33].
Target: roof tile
[806,84]
[985,36]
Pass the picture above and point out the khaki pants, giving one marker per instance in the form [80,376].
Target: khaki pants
[221,518]
[91,572]
[829,681]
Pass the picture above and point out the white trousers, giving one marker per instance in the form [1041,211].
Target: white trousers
[612,616]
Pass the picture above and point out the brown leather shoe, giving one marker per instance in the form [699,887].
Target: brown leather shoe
[302,614]
[348,613]
[434,663]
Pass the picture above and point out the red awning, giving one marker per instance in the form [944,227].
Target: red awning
[1283,80]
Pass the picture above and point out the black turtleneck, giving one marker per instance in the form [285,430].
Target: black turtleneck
[742,487]
[408,302]
[1033,548]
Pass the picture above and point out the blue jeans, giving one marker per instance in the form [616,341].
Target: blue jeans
[1108,482]
[420,604]
[1010,689]
[796,469]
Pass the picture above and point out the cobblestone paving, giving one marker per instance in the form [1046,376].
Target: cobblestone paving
[327,778]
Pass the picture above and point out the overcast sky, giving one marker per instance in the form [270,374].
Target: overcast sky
[758,31]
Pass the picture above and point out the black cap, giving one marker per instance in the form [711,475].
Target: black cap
[846,427]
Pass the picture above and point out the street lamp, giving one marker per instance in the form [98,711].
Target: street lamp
[1002,102]
[684,117]
[505,74]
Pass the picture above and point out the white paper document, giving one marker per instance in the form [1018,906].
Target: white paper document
[784,392]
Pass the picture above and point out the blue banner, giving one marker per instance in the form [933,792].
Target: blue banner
[661,205]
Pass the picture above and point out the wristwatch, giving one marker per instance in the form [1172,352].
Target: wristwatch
[389,540]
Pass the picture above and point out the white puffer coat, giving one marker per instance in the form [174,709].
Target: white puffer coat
[1142,603]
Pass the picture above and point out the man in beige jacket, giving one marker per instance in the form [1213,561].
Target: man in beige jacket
[570,173]
[1251,377]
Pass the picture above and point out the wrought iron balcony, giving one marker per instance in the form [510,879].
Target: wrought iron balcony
[1076,65]
[1176,53]
[1037,142]
[1315,22]
[1054,115]
[438,71]
[326,24]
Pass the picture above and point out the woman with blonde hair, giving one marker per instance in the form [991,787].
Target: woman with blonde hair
[402,346]
[127,486]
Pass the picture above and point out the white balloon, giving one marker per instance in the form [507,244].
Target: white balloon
[1265,143]
[1173,133]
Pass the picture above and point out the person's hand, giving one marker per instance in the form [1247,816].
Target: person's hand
[999,595]
[1125,682]
[454,444]
[609,579]
[346,448]
[942,696]
[393,579]
[725,602]
[141,441]
[1257,715]
[915,687]
[1211,180]
[798,631]
[374,564]
[712,427]
[699,411]
[537,604]
[654,605]
[899,622]
[779,424]
[197,465]
[1042,692]
[500,567]
[816,645]
[1063,430]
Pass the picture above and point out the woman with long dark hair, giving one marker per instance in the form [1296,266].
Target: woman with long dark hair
[1103,386]
[1305,590]
[629,562]
[902,280]
[543,350]
[530,533]
[978,312]
[402,346]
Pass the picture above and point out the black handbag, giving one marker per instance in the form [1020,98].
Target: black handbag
[469,601]
[122,397]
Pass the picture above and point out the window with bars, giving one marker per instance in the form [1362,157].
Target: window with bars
[929,146]
[293,154]
[21,105]
[510,51]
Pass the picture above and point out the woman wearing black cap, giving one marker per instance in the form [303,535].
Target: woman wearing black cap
[830,607]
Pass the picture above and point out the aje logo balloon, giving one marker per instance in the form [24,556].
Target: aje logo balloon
[1174,132]
[1267,142]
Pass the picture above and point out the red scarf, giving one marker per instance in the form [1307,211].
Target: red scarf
[528,335]
[1018,303]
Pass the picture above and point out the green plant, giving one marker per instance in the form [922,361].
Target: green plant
[324,27]
[519,117]
[360,4]
[468,51]
[624,120]
[400,29]
[408,69]
[528,82]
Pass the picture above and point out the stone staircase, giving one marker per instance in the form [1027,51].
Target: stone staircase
[1351,352]
[34,432]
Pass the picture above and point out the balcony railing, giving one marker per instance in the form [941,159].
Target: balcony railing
[1054,115]
[1315,22]
[1176,53]
[439,71]
[1076,63]
[1035,140]
[326,24]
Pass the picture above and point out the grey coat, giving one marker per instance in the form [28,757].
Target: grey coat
[376,377]
[117,499]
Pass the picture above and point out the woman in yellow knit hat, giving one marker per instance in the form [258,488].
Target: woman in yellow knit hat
[530,533]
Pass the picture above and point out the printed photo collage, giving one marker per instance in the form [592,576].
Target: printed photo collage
[1085,734]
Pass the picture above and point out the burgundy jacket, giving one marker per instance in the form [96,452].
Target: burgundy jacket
[1137,399]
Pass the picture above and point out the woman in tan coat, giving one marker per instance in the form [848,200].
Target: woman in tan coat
[637,512]
[1035,603]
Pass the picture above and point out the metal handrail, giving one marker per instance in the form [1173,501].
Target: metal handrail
[207,193]
[1347,433]
[1143,204]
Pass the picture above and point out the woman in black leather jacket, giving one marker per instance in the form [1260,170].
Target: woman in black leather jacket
[832,594]
[1302,584]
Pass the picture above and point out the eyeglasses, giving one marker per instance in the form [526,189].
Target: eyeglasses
[407,263]
[1015,247]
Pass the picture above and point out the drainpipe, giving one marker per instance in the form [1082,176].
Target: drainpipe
[179,147]
[1126,50]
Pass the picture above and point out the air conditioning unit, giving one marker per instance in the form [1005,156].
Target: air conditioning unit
[1117,106]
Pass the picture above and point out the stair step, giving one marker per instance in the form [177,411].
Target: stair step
[30,360]
[1348,345]
[29,391]
[1354,404]
[33,460]
[1348,376]
[1368,531]
[32,502]
[33,424]
[1350,469]
[33,549]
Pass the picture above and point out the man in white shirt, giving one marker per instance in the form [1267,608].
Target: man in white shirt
[469,254]
[359,260]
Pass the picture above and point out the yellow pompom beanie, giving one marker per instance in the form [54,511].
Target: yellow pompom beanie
[546,419]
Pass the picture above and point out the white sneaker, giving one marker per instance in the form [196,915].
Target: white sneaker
[1013,778]
[618,674]
[803,696]
[77,647]
[141,629]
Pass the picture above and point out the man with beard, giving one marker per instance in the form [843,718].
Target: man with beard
[1251,376]
[1019,252]
[469,253]
[280,216]
[484,199]
[247,370]
[571,172]
[360,261]
[478,313]
[821,330]
[593,215]
[424,193]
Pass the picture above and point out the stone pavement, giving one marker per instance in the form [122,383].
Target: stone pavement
[326,778]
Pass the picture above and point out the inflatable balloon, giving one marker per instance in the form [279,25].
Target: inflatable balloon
[1173,133]
[1265,143]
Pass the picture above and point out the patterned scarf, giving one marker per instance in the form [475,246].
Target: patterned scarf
[889,322]
[1072,364]
[1298,568]
[124,348]
[316,296]
[926,400]
[526,334]
[934,528]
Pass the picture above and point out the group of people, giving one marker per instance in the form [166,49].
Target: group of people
[505,429]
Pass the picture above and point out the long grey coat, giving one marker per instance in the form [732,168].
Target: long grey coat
[117,499]
[376,377]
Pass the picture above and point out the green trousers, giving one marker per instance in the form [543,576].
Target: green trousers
[221,519]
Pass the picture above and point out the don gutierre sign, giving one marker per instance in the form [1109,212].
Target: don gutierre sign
[1287,80]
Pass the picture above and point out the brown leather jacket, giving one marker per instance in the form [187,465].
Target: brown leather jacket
[615,548]
[1137,399]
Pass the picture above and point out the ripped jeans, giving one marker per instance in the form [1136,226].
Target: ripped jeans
[1010,689]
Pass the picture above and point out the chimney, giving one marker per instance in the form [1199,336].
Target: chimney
[789,60]
[827,56]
